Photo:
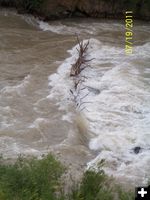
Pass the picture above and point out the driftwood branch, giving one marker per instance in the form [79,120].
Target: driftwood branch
[77,67]
[80,64]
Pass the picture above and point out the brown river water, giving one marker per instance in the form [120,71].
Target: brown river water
[37,114]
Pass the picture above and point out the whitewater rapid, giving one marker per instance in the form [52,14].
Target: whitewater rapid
[37,110]
[116,103]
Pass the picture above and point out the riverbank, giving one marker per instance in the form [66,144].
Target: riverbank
[30,178]
[50,9]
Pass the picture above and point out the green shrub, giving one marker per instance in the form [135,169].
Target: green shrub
[92,188]
[97,186]
[33,179]
[30,179]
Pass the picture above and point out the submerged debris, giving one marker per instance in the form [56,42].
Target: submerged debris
[137,150]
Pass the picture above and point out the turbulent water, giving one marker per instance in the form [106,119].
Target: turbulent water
[110,118]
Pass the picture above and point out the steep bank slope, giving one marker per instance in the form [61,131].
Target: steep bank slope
[53,9]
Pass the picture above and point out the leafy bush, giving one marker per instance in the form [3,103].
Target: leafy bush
[30,179]
[33,179]
[97,186]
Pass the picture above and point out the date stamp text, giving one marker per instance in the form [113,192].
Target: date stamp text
[129,32]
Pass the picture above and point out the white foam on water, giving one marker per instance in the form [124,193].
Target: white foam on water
[37,124]
[4,121]
[8,94]
[9,147]
[142,51]
[17,89]
[78,28]
[71,27]
[117,107]
[67,117]
[59,79]
[64,29]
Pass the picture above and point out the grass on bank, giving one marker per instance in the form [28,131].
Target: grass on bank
[33,179]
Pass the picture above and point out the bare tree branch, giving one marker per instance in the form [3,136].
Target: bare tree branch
[80,64]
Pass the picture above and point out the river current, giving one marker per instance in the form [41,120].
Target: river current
[37,113]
